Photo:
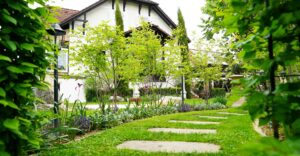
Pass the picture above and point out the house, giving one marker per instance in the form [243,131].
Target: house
[133,11]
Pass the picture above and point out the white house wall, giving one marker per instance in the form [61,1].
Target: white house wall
[131,16]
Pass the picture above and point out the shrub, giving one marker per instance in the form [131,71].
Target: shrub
[220,99]
[215,92]
[200,107]
[82,122]
[215,106]
[161,91]
[91,94]
[184,108]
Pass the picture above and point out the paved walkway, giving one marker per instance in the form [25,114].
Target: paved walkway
[240,102]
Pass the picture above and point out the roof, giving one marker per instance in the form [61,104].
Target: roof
[156,28]
[64,13]
[154,6]
[147,1]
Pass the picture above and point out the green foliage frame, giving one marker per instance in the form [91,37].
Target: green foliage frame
[23,63]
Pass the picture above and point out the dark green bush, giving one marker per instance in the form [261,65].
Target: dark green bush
[220,99]
[161,91]
[91,94]
[218,92]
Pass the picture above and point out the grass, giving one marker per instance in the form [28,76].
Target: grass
[231,134]
[235,95]
[194,101]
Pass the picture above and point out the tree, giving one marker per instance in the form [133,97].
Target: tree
[23,63]
[206,69]
[123,85]
[183,41]
[143,56]
[267,32]
[100,57]
[118,17]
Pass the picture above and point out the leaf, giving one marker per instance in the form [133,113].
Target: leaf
[26,69]
[14,69]
[5,58]
[29,64]
[9,19]
[296,126]
[12,124]
[27,46]
[2,92]
[9,104]
[2,153]
[12,45]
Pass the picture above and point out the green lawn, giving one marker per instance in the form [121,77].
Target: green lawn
[231,134]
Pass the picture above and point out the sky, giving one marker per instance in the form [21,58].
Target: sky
[191,10]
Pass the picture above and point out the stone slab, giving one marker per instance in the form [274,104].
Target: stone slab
[227,113]
[196,122]
[170,146]
[183,131]
[212,117]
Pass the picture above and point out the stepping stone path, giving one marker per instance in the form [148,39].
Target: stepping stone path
[227,113]
[170,146]
[212,117]
[183,131]
[178,146]
[196,122]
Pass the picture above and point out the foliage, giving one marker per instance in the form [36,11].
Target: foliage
[118,17]
[98,54]
[206,69]
[143,55]
[267,33]
[218,92]
[184,108]
[220,99]
[91,93]
[272,147]
[23,63]
[183,41]
[160,91]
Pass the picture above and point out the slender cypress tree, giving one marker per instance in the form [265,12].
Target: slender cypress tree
[118,16]
[123,86]
[183,41]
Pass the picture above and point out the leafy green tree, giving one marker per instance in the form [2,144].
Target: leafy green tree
[144,48]
[144,57]
[267,32]
[206,65]
[23,63]
[183,42]
[100,57]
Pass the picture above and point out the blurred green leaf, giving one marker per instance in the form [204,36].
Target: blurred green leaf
[9,104]
[5,58]
[12,45]
[14,69]
[9,19]
[12,124]
[2,92]
[27,46]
